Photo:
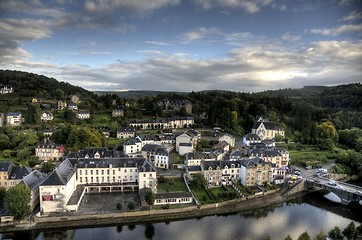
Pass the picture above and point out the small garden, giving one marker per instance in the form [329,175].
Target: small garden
[171,184]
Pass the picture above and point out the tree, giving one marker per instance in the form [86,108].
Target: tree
[335,233]
[4,142]
[17,201]
[321,236]
[350,231]
[2,196]
[33,113]
[149,197]
[198,181]
[304,236]
[288,237]
[131,206]
[119,206]
[327,130]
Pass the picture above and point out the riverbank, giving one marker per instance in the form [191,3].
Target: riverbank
[124,218]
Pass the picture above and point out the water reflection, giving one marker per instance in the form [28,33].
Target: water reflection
[312,213]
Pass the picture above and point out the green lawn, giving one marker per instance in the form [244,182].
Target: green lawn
[310,156]
[101,119]
[202,196]
[173,186]
[114,142]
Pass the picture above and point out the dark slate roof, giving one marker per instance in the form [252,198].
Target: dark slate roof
[132,141]
[185,144]
[127,129]
[268,125]
[5,166]
[252,136]
[18,172]
[199,155]
[173,195]
[90,152]
[106,162]
[61,175]
[33,179]
[237,154]
[46,143]
[252,162]
[151,147]
[14,114]
[146,167]
[194,168]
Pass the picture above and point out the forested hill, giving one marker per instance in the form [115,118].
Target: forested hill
[33,85]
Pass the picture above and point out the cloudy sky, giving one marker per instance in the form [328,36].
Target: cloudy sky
[184,45]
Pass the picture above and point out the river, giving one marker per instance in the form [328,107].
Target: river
[312,213]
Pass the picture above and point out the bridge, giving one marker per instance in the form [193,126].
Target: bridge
[346,192]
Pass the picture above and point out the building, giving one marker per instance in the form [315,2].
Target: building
[251,139]
[219,173]
[83,114]
[33,181]
[185,139]
[72,107]
[46,116]
[57,189]
[167,123]
[5,89]
[157,155]
[101,152]
[132,147]
[14,119]
[115,174]
[175,105]
[255,171]
[266,129]
[173,198]
[277,156]
[48,132]
[195,158]
[11,175]
[229,139]
[47,150]
[62,104]
[2,119]
[118,111]
[127,132]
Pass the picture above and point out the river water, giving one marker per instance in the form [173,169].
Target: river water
[312,213]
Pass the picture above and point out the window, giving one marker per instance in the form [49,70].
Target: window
[144,175]
[97,172]
[80,179]
[125,170]
[80,172]
[91,172]
[86,172]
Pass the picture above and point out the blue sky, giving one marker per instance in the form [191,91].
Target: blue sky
[178,45]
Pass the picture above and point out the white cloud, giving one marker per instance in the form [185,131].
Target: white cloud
[338,30]
[354,15]
[198,34]
[24,29]
[250,6]
[158,43]
[290,38]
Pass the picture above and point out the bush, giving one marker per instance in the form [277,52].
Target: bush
[131,206]
[119,206]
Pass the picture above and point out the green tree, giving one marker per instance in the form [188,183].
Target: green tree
[2,196]
[4,142]
[335,233]
[198,181]
[304,236]
[321,236]
[26,138]
[119,206]
[131,206]
[350,232]
[327,130]
[288,238]
[59,94]
[17,201]
[150,197]
[32,114]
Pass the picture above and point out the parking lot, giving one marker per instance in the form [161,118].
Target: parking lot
[93,203]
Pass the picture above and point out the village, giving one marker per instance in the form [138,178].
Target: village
[232,166]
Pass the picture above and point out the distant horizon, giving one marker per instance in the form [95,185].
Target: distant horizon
[182,45]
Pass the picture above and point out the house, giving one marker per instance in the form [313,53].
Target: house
[57,189]
[11,175]
[2,119]
[106,132]
[255,171]
[125,133]
[46,116]
[75,99]
[175,105]
[167,123]
[72,107]
[132,147]
[195,158]
[222,146]
[83,114]
[97,153]
[266,129]
[62,104]
[238,154]
[277,156]
[32,181]
[229,139]
[14,119]
[219,173]
[115,174]
[250,139]
[5,89]
[188,140]
[48,132]
[157,155]
[118,111]
[48,150]
[173,198]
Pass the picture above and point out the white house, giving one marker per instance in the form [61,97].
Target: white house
[251,139]
[57,189]
[83,114]
[14,119]
[157,155]
[32,181]
[125,133]
[173,198]
[229,139]
[187,138]
[46,116]
[4,89]
[266,129]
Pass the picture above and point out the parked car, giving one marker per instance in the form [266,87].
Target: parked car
[331,183]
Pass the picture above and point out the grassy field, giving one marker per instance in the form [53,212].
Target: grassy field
[101,119]
[176,185]
[309,155]
[202,196]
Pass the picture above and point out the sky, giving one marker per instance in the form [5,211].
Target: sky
[179,45]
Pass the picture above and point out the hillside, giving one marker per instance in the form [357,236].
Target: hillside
[33,85]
